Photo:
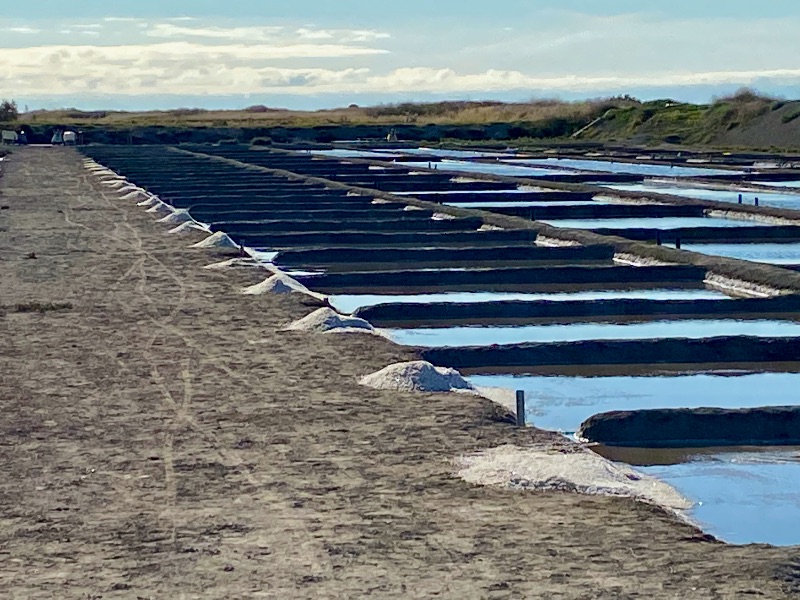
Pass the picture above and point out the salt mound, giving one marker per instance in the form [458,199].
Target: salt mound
[326,319]
[443,217]
[188,226]
[567,469]
[160,208]
[149,201]
[219,239]
[138,194]
[233,263]
[177,217]
[419,376]
[115,183]
[280,283]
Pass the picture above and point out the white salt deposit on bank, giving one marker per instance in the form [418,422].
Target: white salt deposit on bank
[219,239]
[177,217]
[567,469]
[160,208]
[187,227]
[280,283]
[234,263]
[139,194]
[327,320]
[147,202]
[416,376]
[490,228]
[411,207]
[443,217]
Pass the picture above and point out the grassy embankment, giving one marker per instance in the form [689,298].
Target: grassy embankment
[744,120]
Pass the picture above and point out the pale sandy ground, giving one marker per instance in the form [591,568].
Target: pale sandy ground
[150,451]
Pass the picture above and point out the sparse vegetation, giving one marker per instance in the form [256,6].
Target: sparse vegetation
[8,111]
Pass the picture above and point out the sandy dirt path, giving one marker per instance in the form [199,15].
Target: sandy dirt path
[161,439]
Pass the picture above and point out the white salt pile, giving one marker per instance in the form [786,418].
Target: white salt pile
[234,263]
[490,228]
[443,217]
[188,226]
[328,320]
[149,201]
[116,183]
[138,194]
[219,239]
[177,217]
[160,208]
[567,469]
[278,283]
[411,207]
[419,376]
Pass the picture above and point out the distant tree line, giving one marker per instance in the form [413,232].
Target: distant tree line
[8,111]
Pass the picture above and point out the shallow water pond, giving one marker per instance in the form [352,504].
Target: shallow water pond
[563,403]
[523,204]
[776,254]
[693,329]
[623,167]
[347,153]
[773,199]
[349,303]
[490,168]
[741,497]
[455,153]
[652,222]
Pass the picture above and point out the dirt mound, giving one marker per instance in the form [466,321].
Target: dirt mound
[418,376]
[326,319]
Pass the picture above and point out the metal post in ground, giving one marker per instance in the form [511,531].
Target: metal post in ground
[520,408]
[677,243]
[740,198]
[756,200]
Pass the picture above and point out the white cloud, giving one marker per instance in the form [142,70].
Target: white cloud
[183,68]
[168,30]
[121,19]
[22,30]
[314,34]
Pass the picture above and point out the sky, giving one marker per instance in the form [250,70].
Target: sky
[310,54]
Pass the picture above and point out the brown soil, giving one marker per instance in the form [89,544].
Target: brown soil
[151,449]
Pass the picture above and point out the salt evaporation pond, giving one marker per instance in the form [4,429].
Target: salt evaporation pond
[519,190]
[623,167]
[563,403]
[776,254]
[351,302]
[652,222]
[788,184]
[764,198]
[490,168]
[347,153]
[456,153]
[575,332]
[531,203]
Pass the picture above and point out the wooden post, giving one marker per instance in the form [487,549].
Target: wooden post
[520,408]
